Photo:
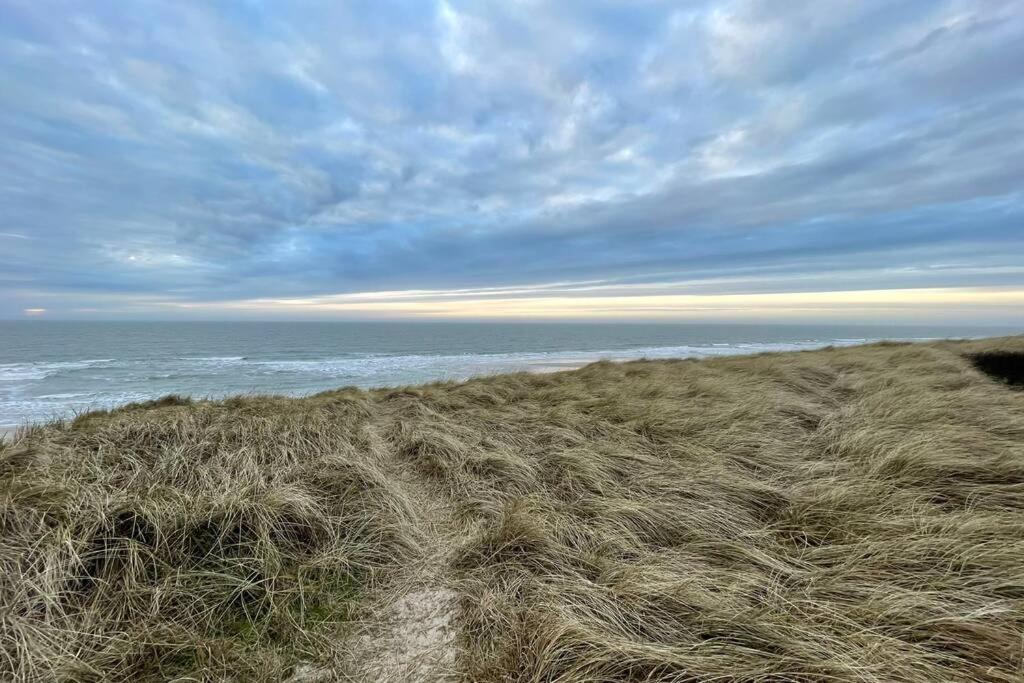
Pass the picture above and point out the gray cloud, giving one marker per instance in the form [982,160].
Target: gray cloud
[181,152]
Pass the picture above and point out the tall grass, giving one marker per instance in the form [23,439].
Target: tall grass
[177,539]
[846,514]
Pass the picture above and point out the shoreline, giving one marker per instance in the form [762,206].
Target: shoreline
[563,361]
[306,377]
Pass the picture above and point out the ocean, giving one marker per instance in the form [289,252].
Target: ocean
[51,369]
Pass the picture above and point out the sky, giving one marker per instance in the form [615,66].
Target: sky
[580,159]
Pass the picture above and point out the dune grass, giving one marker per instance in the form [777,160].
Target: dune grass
[170,539]
[839,515]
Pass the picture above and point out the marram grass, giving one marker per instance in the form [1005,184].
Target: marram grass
[838,515]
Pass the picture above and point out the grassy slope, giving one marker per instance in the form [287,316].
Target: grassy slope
[846,514]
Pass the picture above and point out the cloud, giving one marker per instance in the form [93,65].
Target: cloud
[189,154]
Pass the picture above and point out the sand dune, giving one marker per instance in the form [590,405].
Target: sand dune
[848,514]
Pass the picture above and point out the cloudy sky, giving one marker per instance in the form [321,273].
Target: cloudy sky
[849,159]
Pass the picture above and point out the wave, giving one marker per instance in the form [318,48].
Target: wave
[16,372]
[368,366]
[55,406]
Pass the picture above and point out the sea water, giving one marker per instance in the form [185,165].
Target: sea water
[51,369]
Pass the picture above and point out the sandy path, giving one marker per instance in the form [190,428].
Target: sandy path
[408,631]
[415,637]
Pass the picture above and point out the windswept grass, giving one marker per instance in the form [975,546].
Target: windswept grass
[176,539]
[846,514]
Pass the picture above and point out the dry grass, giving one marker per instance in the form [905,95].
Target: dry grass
[217,540]
[845,514]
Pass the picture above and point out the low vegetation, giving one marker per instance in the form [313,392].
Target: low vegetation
[849,514]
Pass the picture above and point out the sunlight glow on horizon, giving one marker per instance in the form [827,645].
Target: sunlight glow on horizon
[935,303]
